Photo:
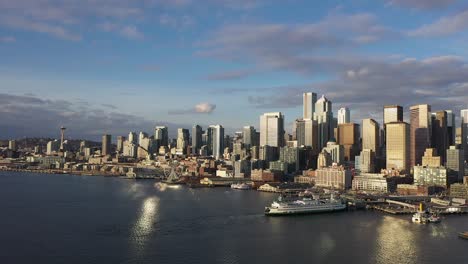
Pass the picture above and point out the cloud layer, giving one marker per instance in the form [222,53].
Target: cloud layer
[201,108]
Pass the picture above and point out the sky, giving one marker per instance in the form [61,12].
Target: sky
[114,66]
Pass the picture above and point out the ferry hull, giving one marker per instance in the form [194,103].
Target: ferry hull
[275,212]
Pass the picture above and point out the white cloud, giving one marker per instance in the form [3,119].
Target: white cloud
[444,26]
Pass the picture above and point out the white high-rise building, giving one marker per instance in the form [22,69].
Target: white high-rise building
[324,117]
[216,138]
[464,131]
[309,100]
[272,129]
[344,116]
[132,137]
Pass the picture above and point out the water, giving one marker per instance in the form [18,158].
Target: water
[80,219]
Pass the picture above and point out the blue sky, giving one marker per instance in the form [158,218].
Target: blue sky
[102,66]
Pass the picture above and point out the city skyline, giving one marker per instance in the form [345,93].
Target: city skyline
[138,64]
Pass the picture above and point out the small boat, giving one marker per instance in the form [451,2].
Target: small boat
[463,235]
[241,186]
[434,219]
[420,218]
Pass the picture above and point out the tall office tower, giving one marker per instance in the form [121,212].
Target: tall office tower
[398,146]
[272,129]
[183,137]
[248,136]
[106,145]
[12,145]
[161,135]
[141,136]
[120,142]
[52,146]
[196,139]
[455,163]
[464,131]
[309,101]
[420,132]
[83,145]
[451,127]
[393,113]
[371,135]
[440,134]
[216,140]
[132,137]
[344,116]
[348,137]
[62,138]
[367,161]
[306,133]
[324,117]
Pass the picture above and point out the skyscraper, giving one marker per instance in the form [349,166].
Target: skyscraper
[307,133]
[161,135]
[343,115]
[348,137]
[455,165]
[420,132]
[393,113]
[196,139]
[183,137]
[132,137]
[451,127]
[106,145]
[272,129]
[216,140]
[141,136]
[398,146]
[12,145]
[371,135]
[440,139]
[325,122]
[120,142]
[248,136]
[464,131]
[309,100]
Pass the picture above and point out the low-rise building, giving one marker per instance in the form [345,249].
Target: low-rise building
[374,182]
[431,176]
[337,177]
[266,175]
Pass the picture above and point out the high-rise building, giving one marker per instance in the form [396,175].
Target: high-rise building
[52,146]
[344,116]
[451,127]
[141,136]
[307,133]
[132,138]
[367,161]
[272,129]
[196,139]
[309,100]
[420,132]
[216,140]
[393,113]
[336,152]
[248,136]
[120,142]
[440,140]
[106,145]
[325,121]
[464,131]
[183,137]
[398,146]
[455,163]
[12,145]
[371,135]
[348,137]
[161,135]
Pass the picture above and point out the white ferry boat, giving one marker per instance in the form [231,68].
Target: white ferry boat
[241,186]
[304,206]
